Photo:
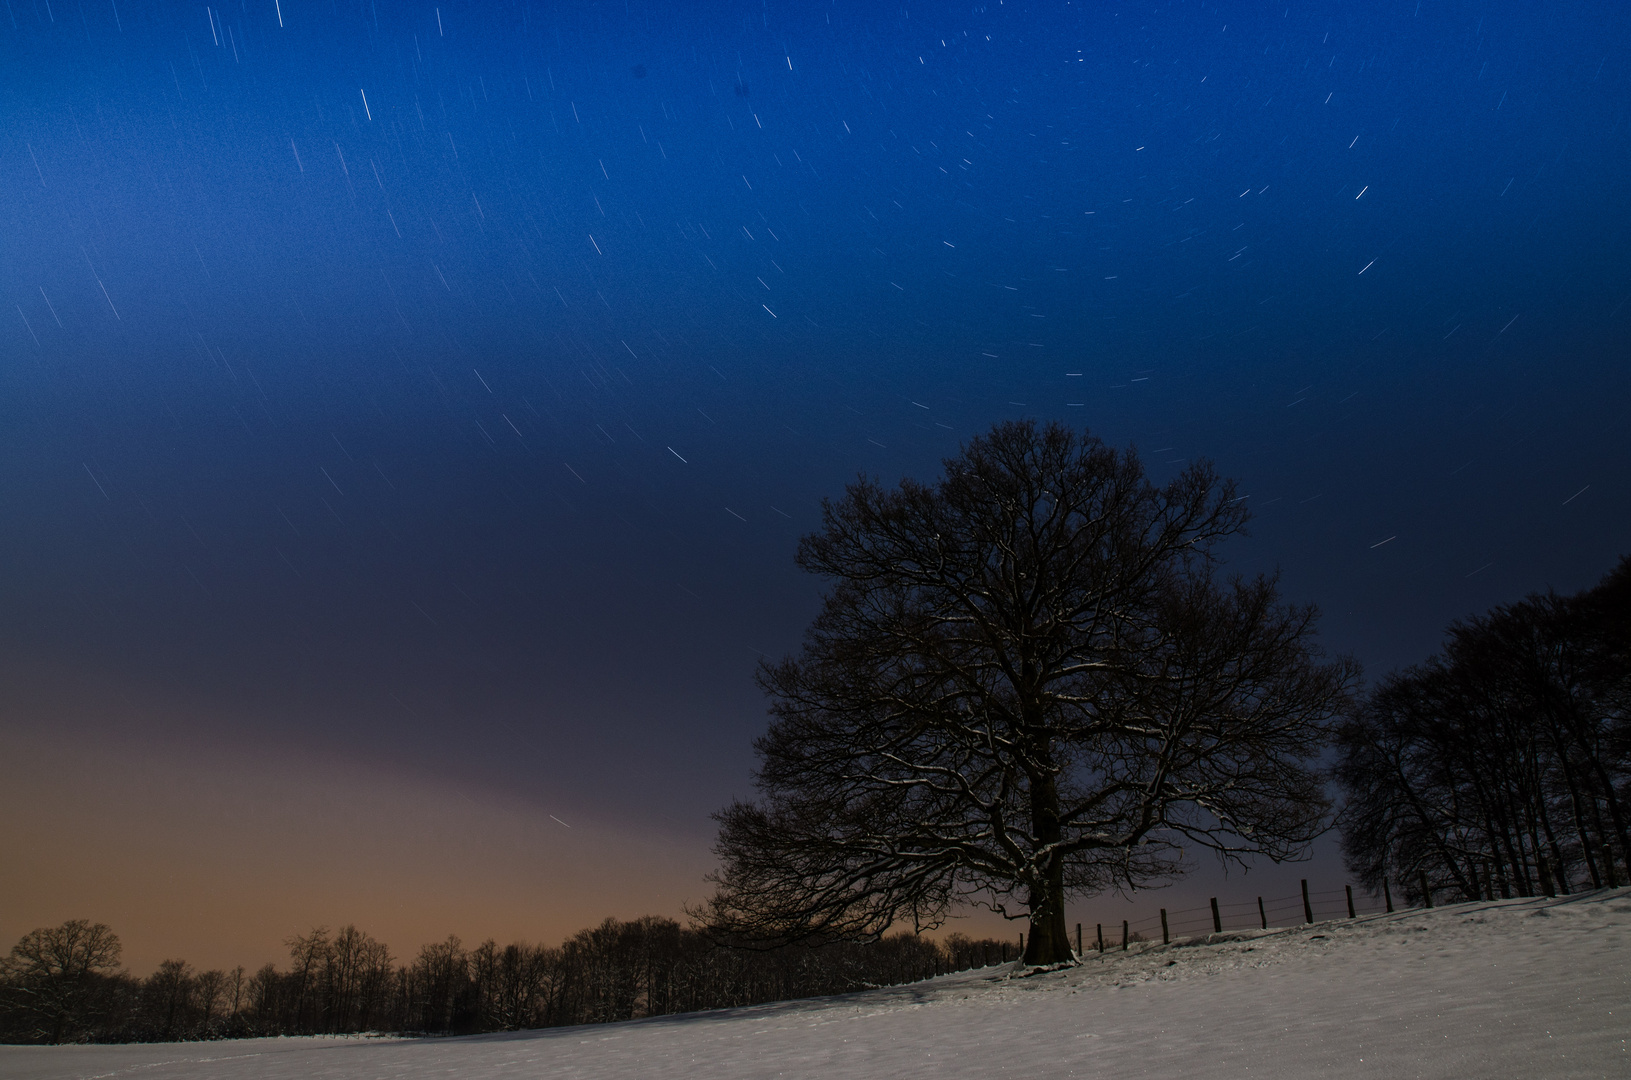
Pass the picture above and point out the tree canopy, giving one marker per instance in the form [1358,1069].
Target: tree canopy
[1025,683]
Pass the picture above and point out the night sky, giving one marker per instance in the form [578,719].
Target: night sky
[408,413]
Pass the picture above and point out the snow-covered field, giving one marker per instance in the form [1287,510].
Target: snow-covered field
[1519,988]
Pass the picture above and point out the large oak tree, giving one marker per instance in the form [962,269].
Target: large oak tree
[1024,684]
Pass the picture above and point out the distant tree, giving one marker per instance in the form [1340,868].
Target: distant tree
[510,984]
[1503,763]
[264,997]
[235,993]
[55,978]
[168,993]
[210,990]
[440,983]
[1024,684]
[375,978]
[356,972]
[308,955]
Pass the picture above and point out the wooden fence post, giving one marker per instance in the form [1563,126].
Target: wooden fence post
[1078,939]
[1387,896]
[1308,909]
[1217,923]
[1350,889]
[1166,939]
[1261,914]
[1426,890]
[1124,935]
[1101,936]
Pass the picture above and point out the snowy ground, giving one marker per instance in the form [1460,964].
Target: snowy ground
[1520,988]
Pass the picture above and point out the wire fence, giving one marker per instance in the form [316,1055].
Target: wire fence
[1258,913]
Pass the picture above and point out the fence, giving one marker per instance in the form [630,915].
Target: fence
[1260,913]
[1257,914]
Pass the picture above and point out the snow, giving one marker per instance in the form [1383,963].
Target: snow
[1517,988]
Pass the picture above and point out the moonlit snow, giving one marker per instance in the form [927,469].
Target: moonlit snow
[1516,988]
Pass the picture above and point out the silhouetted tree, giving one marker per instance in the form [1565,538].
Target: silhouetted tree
[55,980]
[1023,684]
[308,954]
[440,981]
[1500,765]
[169,993]
[265,995]
[210,988]
[356,980]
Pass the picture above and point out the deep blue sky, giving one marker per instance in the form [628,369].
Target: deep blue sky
[442,390]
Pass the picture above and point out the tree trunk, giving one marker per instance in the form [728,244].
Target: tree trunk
[1558,867]
[1575,800]
[1607,847]
[1049,940]
[1617,817]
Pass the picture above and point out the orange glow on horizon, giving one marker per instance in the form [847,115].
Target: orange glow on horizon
[216,856]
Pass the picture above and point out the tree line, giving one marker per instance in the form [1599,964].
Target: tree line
[1502,765]
[65,984]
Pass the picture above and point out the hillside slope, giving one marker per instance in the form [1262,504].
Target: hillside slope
[1519,988]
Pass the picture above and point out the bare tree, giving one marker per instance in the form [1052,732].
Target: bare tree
[265,997]
[210,989]
[441,977]
[54,974]
[374,983]
[234,992]
[169,992]
[308,954]
[1023,685]
[1503,763]
[355,970]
